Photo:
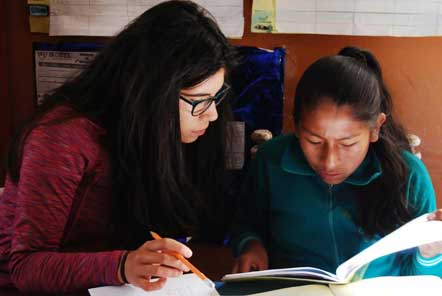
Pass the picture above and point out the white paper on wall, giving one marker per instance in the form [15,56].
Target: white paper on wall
[108,17]
[360,17]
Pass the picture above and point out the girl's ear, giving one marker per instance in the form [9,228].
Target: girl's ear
[374,133]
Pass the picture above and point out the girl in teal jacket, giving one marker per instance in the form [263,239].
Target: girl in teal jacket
[345,179]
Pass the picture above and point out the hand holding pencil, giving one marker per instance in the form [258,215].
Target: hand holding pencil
[153,260]
[187,263]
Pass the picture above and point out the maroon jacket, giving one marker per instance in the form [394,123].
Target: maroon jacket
[54,224]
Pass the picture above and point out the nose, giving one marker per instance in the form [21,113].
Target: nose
[211,114]
[329,158]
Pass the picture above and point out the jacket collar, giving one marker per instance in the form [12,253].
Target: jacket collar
[293,161]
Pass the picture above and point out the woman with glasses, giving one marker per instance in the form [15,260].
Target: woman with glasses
[136,142]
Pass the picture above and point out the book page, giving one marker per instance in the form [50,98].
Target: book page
[417,232]
[391,286]
[185,285]
[308,290]
[295,273]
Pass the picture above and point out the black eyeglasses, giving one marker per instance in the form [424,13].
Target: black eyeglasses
[201,106]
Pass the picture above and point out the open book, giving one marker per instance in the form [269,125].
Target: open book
[418,231]
[385,286]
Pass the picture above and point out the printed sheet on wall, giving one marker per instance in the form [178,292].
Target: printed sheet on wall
[56,63]
[349,17]
[108,17]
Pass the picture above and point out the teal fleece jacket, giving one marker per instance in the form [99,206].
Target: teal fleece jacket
[303,221]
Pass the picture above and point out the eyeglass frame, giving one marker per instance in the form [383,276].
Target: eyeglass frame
[217,98]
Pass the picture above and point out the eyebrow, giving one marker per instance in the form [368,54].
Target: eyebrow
[340,139]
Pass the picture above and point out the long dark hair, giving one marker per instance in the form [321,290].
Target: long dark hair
[354,78]
[131,89]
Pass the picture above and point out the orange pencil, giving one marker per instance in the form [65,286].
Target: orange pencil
[187,263]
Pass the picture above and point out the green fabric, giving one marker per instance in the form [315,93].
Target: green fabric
[304,222]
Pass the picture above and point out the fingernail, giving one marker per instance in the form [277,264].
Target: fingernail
[187,253]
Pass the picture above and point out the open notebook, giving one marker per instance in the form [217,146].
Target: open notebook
[418,231]
[185,285]
[383,286]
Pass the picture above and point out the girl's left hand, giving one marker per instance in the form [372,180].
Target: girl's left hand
[433,249]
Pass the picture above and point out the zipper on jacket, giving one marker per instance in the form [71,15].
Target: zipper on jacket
[331,223]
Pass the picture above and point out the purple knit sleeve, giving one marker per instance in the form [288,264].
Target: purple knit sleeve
[52,168]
